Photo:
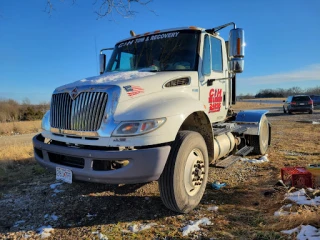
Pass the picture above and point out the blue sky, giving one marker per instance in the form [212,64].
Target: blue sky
[39,52]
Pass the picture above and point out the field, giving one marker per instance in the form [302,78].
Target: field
[16,128]
[244,209]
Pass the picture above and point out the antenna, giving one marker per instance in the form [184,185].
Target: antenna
[95,45]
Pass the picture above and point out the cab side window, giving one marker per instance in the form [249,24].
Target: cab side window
[206,65]
[216,53]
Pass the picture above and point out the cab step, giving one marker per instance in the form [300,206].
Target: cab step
[239,130]
[244,151]
[227,161]
[233,158]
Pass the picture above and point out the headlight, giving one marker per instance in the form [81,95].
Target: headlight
[45,124]
[138,127]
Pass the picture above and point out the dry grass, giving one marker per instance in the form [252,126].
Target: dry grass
[254,105]
[278,99]
[12,155]
[304,217]
[15,161]
[12,128]
[16,151]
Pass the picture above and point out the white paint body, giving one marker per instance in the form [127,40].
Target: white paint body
[157,101]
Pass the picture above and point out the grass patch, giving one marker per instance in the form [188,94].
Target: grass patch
[15,156]
[13,128]
[304,217]
[38,170]
[15,152]
[291,157]
[16,171]
[254,105]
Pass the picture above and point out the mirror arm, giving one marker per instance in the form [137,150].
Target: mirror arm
[105,49]
[216,29]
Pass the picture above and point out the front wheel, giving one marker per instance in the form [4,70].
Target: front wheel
[183,180]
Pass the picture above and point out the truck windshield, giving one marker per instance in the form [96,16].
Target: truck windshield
[169,51]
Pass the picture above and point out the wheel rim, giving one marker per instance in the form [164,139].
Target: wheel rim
[194,172]
[264,135]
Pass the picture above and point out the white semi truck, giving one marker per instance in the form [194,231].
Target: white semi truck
[161,109]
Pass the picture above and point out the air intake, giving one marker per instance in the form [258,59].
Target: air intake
[178,82]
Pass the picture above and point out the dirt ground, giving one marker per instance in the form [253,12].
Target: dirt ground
[34,206]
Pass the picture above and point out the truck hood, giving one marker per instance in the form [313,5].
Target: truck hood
[132,83]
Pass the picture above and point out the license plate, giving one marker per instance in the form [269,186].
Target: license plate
[64,174]
[302,103]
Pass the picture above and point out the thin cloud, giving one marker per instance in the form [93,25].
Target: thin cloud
[309,73]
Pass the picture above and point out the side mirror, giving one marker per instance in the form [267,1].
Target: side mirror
[102,63]
[236,65]
[236,50]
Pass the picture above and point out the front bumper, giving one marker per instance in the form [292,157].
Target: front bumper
[145,165]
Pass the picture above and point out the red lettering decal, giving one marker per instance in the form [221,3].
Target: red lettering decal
[215,100]
[211,95]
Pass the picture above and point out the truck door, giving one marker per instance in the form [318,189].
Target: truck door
[214,82]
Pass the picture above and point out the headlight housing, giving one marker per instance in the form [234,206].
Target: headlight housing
[138,127]
[45,124]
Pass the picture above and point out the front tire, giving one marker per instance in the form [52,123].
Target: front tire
[183,180]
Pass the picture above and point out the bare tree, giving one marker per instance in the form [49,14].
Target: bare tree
[106,8]
[26,101]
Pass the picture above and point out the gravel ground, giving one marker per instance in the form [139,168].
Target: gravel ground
[82,208]
[31,207]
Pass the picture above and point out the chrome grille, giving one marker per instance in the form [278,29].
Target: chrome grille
[84,113]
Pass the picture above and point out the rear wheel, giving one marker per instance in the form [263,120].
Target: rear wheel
[183,180]
[284,110]
[260,142]
[310,112]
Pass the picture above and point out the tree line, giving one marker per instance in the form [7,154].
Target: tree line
[282,93]
[11,110]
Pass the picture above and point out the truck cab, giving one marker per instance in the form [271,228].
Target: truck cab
[159,110]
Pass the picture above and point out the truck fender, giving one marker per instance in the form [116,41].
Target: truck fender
[251,119]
